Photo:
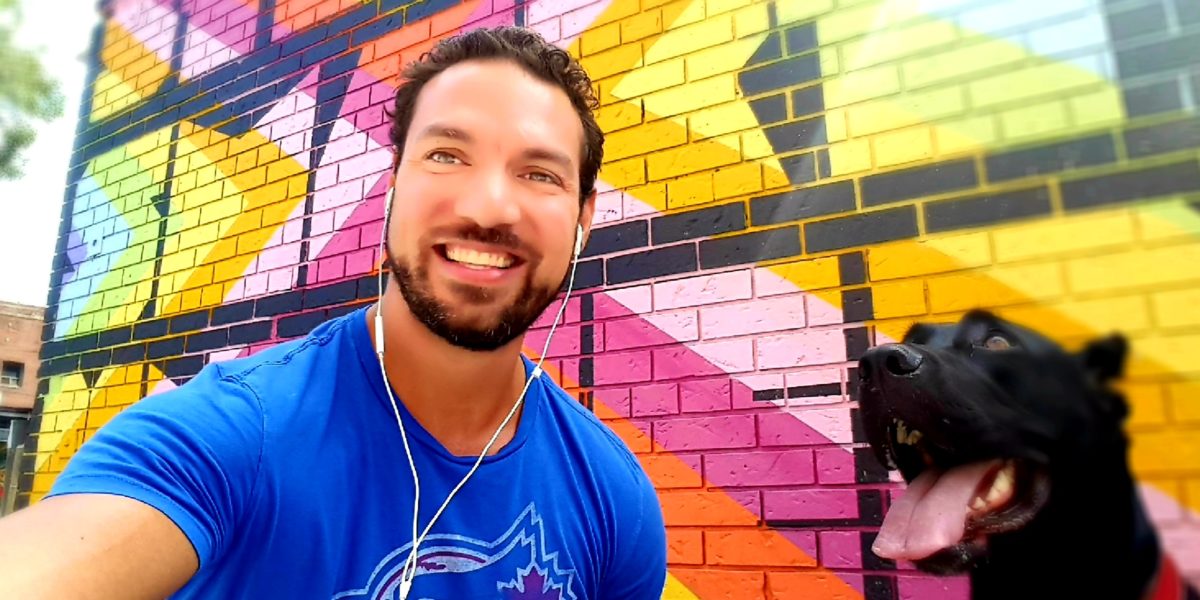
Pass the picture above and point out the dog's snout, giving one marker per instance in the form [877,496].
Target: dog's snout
[889,359]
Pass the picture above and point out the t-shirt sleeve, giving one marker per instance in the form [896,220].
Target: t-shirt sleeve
[639,568]
[192,452]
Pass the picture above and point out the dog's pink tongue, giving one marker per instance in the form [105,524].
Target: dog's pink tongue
[931,514]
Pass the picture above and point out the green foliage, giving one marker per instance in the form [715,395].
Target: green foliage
[27,93]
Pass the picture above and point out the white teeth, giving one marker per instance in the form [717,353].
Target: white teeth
[904,436]
[1002,487]
[474,258]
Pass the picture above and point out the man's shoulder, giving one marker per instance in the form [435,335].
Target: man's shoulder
[607,453]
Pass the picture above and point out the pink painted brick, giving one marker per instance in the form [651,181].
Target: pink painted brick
[821,312]
[327,176]
[329,269]
[760,468]
[342,194]
[281,280]
[540,10]
[360,261]
[577,21]
[654,400]
[706,289]
[651,330]
[806,541]
[813,377]
[835,465]
[782,429]
[833,423]
[293,230]
[373,162]
[768,283]
[279,256]
[571,315]
[705,433]
[704,395]
[608,204]
[622,302]
[752,316]
[621,367]
[841,550]
[810,504]
[369,234]
[809,347]
[698,360]
[566,342]
[1183,542]
[549,29]
[923,587]
[321,222]
[256,285]
[631,206]
[616,399]
[743,396]
[345,147]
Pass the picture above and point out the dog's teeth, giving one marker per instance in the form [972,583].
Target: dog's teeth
[1002,487]
[901,433]
[979,504]
[913,437]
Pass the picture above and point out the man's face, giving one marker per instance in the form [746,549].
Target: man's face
[487,202]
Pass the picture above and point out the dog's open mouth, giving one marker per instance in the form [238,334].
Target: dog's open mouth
[952,507]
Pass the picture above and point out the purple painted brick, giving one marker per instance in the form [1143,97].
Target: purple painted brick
[704,395]
[621,367]
[920,587]
[782,429]
[810,504]
[760,468]
[841,549]
[652,400]
[705,433]
[615,398]
[835,465]
[806,541]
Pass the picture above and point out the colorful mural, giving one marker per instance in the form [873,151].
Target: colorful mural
[785,184]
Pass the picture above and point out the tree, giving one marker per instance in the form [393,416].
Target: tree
[26,93]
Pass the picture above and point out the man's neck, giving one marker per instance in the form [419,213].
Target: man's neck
[460,397]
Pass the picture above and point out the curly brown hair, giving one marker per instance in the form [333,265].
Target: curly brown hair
[528,50]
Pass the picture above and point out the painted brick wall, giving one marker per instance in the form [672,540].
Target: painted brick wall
[786,183]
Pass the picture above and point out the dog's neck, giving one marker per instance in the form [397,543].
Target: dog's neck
[1092,540]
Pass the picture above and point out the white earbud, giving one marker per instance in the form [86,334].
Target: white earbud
[578,240]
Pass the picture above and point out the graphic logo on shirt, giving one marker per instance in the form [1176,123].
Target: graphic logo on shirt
[515,566]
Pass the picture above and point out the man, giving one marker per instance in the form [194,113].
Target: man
[293,473]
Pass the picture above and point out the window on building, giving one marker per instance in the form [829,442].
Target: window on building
[12,374]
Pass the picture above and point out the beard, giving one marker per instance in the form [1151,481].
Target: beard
[439,317]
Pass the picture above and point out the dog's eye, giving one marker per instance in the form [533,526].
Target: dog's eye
[997,342]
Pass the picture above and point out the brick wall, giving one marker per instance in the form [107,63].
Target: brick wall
[786,183]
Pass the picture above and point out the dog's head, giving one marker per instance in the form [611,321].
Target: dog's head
[983,419]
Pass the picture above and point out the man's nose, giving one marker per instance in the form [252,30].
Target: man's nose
[491,201]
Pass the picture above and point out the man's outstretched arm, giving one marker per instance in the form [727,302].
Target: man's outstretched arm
[92,547]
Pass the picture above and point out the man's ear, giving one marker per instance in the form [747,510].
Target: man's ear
[1104,358]
[586,213]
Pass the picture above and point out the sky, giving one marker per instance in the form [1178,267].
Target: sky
[30,206]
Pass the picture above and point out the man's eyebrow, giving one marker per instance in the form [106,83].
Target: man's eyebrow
[554,156]
[444,130]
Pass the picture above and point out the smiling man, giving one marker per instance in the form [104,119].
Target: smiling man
[295,473]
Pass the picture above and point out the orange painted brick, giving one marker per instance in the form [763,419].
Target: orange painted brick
[935,255]
[816,584]
[754,547]
[1147,403]
[682,12]
[1166,451]
[698,508]
[725,585]
[1185,403]
[641,25]
[995,287]
[685,546]
[668,471]
[600,38]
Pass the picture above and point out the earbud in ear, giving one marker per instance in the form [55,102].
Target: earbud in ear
[578,239]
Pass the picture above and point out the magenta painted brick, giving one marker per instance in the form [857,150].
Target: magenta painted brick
[369,234]
[924,587]
[698,360]
[566,341]
[329,269]
[571,315]
[705,433]
[810,504]
[651,330]
[654,400]
[752,316]
[809,347]
[704,395]
[743,397]
[841,549]
[760,468]
[621,367]
[782,429]
[622,302]
[617,399]
[360,262]
[706,289]
[821,312]
[835,465]
[806,541]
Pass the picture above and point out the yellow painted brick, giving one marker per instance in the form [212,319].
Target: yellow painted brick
[934,255]
[1147,404]
[902,111]
[1176,308]
[835,125]
[212,295]
[1060,236]
[1020,84]
[885,46]
[789,11]
[812,274]
[725,58]
[751,20]
[690,190]
[1082,318]
[690,38]
[693,157]
[1135,269]
[692,96]
[616,11]
[1167,220]
[899,299]
[1037,120]
[682,12]
[648,79]
[653,194]
[611,62]
[965,135]
[642,139]
[177,261]
[961,63]
[851,156]
[904,146]
[719,120]
[773,174]
[1165,451]
[737,180]
[1102,107]
[862,85]
[1185,405]
[205,234]
[225,207]
[866,19]
[995,287]
[641,25]
[624,173]
[598,39]
[716,7]
[756,145]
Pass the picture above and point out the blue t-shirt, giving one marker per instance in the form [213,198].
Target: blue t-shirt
[287,472]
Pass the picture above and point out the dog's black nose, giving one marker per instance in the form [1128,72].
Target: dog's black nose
[893,359]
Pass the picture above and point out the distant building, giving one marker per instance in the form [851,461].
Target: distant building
[20,342]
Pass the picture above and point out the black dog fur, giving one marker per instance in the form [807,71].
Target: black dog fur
[984,388]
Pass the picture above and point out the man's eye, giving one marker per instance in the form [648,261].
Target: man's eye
[442,157]
[544,177]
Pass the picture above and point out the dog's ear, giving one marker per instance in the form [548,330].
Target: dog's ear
[1104,358]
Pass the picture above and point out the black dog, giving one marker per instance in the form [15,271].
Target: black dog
[1015,458]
